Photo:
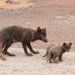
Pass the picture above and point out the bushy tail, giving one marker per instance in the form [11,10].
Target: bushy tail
[45,54]
[48,48]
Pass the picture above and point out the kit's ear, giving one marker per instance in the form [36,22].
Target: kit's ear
[44,30]
[64,44]
[70,43]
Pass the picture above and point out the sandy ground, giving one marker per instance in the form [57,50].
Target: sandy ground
[36,65]
[59,19]
[16,4]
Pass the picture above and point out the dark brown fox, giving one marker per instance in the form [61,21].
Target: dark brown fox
[54,51]
[14,34]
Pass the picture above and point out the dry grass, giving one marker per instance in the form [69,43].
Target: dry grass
[15,5]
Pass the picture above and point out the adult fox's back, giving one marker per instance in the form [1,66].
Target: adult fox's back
[20,34]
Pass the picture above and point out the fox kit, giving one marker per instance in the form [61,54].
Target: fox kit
[14,34]
[57,51]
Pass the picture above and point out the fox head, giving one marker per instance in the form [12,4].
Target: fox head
[41,34]
[67,46]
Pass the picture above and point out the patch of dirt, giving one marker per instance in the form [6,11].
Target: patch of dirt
[36,65]
[15,4]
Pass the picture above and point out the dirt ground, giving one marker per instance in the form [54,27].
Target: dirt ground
[36,65]
[59,19]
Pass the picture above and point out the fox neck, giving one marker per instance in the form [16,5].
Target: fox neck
[34,36]
[63,49]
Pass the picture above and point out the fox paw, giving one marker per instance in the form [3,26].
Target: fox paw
[29,54]
[36,52]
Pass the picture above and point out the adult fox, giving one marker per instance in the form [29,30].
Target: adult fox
[14,34]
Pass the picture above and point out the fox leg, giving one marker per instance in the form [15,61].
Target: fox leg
[49,57]
[54,57]
[2,56]
[1,52]
[30,47]
[25,49]
[7,45]
[60,57]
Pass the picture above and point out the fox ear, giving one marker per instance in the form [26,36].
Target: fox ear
[39,29]
[44,30]
[70,43]
[64,44]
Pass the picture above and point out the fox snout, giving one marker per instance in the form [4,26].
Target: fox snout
[44,40]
